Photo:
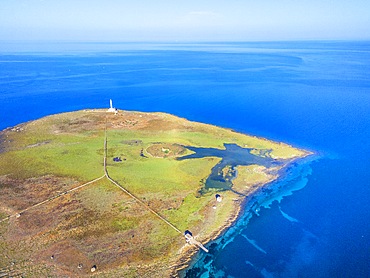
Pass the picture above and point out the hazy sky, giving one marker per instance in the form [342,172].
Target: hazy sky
[186,20]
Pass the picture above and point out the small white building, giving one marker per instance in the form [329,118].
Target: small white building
[93,268]
[218,198]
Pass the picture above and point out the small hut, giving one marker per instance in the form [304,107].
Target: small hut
[187,232]
[93,268]
[188,236]
[218,198]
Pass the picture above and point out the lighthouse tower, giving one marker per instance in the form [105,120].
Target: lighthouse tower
[111,109]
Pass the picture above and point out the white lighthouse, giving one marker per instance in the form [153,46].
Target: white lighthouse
[111,108]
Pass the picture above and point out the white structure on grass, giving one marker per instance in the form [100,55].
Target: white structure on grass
[111,108]
[218,198]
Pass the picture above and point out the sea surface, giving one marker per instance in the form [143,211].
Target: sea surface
[315,221]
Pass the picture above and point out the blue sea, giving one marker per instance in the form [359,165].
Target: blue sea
[315,220]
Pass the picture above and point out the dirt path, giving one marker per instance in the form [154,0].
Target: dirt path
[19,213]
[106,175]
[126,191]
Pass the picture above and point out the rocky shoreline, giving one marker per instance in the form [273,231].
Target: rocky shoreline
[188,253]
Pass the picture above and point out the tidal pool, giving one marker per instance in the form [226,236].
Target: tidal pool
[232,156]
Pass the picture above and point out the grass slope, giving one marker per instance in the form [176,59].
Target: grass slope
[99,224]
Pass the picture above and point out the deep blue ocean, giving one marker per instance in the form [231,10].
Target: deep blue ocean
[313,95]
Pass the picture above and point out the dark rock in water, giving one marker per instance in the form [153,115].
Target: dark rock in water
[193,272]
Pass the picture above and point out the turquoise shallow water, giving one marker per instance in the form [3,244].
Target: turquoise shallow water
[314,95]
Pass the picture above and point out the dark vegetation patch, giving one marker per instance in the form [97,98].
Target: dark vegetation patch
[38,144]
[77,124]
[2,142]
[132,142]
[17,194]
[165,203]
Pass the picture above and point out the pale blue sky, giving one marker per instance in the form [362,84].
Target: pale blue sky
[188,20]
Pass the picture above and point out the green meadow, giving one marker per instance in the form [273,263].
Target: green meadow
[71,146]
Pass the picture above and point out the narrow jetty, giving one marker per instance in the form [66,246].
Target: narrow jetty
[191,240]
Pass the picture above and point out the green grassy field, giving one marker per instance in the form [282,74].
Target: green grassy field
[99,223]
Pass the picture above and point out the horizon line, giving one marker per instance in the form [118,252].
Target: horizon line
[185,41]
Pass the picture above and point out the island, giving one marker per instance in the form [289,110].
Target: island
[123,193]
